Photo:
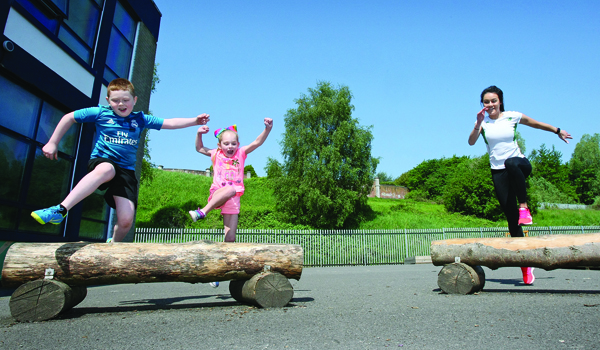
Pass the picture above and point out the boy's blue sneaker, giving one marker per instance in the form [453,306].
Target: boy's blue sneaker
[49,215]
[214,284]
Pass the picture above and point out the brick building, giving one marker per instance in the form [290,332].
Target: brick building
[58,56]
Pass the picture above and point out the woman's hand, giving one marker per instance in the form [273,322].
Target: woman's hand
[481,116]
[564,135]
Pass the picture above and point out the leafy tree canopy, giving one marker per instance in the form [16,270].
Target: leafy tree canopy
[328,168]
[585,168]
[547,164]
[250,168]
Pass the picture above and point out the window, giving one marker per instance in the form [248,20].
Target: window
[120,48]
[74,22]
[28,179]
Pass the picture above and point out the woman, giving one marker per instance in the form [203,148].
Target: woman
[509,166]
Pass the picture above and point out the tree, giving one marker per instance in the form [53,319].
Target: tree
[585,168]
[274,168]
[384,177]
[520,141]
[328,168]
[547,164]
[250,168]
[470,190]
[428,179]
[545,191]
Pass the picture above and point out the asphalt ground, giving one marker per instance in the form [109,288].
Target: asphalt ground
[365,307]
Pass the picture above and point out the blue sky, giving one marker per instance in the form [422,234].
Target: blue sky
[415,68]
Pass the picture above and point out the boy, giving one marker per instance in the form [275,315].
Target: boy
[112,163]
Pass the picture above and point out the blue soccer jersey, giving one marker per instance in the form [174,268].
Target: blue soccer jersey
[117,138]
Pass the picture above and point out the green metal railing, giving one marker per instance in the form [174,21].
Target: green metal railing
[350,247]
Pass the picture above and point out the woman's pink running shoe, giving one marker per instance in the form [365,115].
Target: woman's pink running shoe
[528,276]
[525,217]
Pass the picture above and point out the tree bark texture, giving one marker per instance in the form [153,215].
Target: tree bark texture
[546,252]
[87,264]
[44,299]
[459,278]
[266,289]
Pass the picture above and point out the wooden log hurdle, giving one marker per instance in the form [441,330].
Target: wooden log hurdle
[54,275]
[546,252]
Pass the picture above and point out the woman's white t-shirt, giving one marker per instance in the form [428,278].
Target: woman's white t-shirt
[500,138]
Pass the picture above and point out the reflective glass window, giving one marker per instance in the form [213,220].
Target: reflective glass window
[94,206]
[61,5]
[74,22]
[49,119]
[13,155]
[124,23]
[18,108]
[46,18]
[119,54]
[84,16]
[50,180]
[109,75]
[91,229]
[75,44]
[8,217]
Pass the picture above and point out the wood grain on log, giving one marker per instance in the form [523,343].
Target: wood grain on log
[44,299]
[267,289]
[459,278]
[102,263]
[546,252]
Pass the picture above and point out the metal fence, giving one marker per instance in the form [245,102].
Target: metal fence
[350,247]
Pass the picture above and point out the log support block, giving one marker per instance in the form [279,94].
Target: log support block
[266,289]
[460,278]
[44,299]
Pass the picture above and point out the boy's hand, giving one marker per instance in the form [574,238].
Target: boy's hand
[268,123]
[203,129]
[202,119]
[50,151]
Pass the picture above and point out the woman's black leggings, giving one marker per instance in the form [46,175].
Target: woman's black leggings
[510,186]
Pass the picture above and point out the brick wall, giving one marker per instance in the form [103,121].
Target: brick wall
[387,191]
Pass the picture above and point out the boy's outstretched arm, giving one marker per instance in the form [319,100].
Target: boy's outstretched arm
[199,145]
[262,137]
[180,123]
[50,150]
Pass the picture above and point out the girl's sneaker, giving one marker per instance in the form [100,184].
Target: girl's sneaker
[525,217]
[528,276]
[197,215]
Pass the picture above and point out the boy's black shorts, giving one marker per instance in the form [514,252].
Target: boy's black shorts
[124,184]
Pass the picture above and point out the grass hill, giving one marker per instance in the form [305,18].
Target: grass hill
[165,202]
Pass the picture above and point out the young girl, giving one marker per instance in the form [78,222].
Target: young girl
[509,166]
[228,180]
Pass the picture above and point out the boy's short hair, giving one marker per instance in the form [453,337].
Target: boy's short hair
[120,84]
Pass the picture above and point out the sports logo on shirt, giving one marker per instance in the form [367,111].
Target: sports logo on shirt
[134,124]
[110,121]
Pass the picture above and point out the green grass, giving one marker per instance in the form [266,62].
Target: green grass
[165,202]
[410,214]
